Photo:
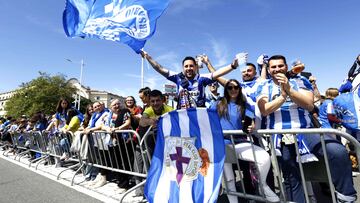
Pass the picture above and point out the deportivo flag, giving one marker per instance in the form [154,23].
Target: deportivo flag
[128,21]
[188,160]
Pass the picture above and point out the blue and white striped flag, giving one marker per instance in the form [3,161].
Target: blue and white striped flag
[188,160]
[128,21]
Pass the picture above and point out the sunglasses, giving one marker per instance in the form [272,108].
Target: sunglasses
[232,87]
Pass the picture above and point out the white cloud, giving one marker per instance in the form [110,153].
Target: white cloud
[178,6]
[169,60]
[131,75]
[264,7]
[220,51]
[124,92]
[44,24]
[36,21]
[154,82]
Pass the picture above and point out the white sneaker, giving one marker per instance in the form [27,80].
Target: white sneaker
[102,181]
[98,177]
[345,198]
[65,156]
[270,195]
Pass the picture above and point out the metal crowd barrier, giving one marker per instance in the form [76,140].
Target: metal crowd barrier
[121,151]
[233,158]
[23,143]
[125,152]
[266,134]
[41,146]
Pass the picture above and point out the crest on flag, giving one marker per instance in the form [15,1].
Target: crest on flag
[182,159]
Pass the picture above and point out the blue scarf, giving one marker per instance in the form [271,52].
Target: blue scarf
[95,117]
[305,154]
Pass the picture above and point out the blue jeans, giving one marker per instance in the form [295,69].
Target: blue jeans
[64,145]
[339,163]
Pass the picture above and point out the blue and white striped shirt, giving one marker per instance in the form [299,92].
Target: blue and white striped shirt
[289,115]
[196,86]
[251,89]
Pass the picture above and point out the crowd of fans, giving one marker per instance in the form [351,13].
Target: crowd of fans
[280,97]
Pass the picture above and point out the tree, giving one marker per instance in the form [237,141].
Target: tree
[84,103]
[40,94]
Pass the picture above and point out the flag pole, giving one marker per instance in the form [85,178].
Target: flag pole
[142,71]
[81,82]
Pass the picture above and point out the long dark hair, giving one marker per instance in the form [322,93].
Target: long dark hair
[59,109]
[222,106]
[87,116]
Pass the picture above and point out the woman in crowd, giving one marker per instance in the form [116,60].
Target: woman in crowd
[76,144]
[232,110]
[87,116]
[135,111]
[61,111]
[72,124]
[118,119]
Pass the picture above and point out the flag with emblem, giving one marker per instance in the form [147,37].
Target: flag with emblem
[128,21]
[189,156]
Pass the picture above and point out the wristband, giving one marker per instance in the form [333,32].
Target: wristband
[233,67]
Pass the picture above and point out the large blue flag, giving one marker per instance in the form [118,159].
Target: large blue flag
[128,21]
[188,160]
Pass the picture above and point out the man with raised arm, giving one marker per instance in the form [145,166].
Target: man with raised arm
[190,84]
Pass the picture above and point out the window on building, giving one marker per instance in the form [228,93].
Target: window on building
[97,98]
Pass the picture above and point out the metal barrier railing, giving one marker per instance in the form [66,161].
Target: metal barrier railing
[116,152]
[45,145]
[233,157]
[307,132]
[126,143]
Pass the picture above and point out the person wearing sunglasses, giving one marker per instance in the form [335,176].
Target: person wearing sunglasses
[251,83]
[233,111]
[213,95]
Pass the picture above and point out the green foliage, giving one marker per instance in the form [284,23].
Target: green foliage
[83,104]
[40,94]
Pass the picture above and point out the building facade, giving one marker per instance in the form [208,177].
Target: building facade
[4,97]
[94,95]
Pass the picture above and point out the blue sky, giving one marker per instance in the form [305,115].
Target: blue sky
[323,34]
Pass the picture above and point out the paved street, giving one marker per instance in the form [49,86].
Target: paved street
[18,184]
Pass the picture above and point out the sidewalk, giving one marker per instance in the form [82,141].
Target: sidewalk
[108,193]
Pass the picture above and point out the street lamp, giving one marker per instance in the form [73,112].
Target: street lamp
[78,96]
